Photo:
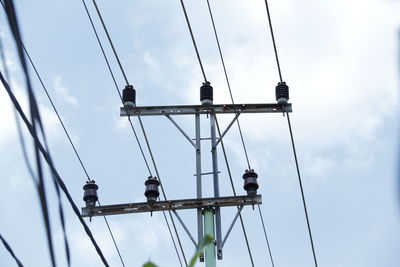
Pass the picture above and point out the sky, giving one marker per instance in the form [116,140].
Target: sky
[341,61]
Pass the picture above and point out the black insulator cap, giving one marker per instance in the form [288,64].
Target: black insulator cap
[206,93]
[282,92]
[90,194]
[151,191]
[129,96]
[250,182]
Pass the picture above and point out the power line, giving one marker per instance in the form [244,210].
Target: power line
[193,40]
[9,249]
[292,139]
[70,141]
[302,191]
[227,80]
[115,82]
[110,41]
[240,132]
[49,161]
[273,40]
[140,121]
[266,236]
[234,193]
[72,145]
[20,135]
[35,118]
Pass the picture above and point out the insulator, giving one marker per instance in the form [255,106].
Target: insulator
[151,191]
[90,194]
[250,182]
[282,92]
[129,96]
[206,93]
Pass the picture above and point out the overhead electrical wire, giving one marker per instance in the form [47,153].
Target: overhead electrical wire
[36,122]
[238,123]
[115,83]
[9,249]
[234,193]
[273,40]
[266,236]
[39,149]
[49,161]
[302,190]
[19,130]
[241,136]
[140,121]
[227,80]
[71,143]
[193,40]
[69,139]
[292,141]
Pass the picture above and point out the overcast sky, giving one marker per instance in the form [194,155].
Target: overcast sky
[341,62]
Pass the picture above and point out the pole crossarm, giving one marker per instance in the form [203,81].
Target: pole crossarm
[205,109]
[106,210]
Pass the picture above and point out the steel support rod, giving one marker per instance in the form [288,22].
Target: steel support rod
[181,130]
[209,230]
[216,185]
[226,130]
[231,226]
[184,227]
[198,182]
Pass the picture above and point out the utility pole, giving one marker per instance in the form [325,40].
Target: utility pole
[208,209]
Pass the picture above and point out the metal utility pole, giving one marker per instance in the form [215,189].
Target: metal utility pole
[208,209]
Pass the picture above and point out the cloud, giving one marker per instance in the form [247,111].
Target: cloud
[63,92]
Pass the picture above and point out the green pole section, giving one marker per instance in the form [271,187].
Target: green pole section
[209,230]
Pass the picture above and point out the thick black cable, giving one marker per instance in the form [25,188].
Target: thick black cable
[193,40]
[9,249]
[227,81]
[302,191]
[273,40]
[144,133]
[115,82]
[30,169]
[266,236]
[49,161]
[234,193]
[70,141]
[19,130]
[110,41]
[35,118]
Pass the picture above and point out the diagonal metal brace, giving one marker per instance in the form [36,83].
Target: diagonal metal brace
[184,227]
[231,226]
[181,130]
[226,130]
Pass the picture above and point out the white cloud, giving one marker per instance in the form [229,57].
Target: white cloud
[63,92]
